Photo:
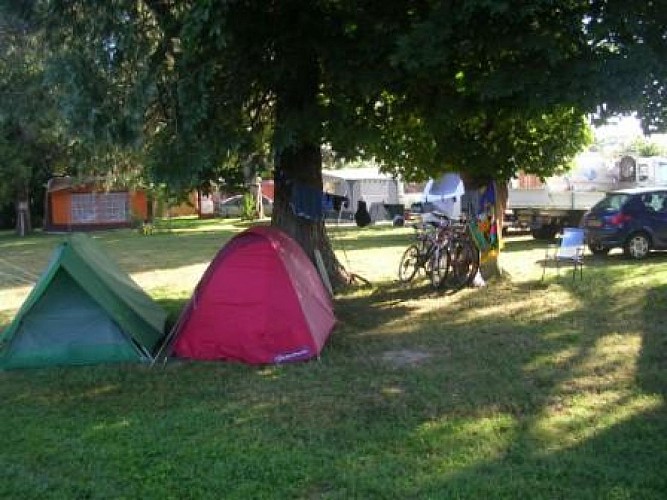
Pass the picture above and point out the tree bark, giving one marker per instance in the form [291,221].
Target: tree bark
[303,166]
[495,268]
[298,163]
[502,193]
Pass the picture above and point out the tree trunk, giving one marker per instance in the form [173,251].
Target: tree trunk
[302,166]
[490,263]
[23,221]
[502,194]
[259,198]
[298,164]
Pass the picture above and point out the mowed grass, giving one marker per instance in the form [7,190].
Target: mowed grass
[521,389]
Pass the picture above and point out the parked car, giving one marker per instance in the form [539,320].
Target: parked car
[632,219]
[233,206]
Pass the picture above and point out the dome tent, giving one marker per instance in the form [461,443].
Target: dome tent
[261,301]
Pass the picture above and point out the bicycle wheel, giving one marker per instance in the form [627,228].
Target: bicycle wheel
[439,267]
[409,264]
[463,262]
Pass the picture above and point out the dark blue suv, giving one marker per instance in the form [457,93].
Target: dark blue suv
[632,219]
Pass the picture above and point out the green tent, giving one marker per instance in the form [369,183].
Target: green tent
[83,310]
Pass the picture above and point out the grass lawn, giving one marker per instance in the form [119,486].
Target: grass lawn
[521,389]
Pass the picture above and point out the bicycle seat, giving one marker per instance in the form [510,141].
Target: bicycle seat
[440,215]
[436,219]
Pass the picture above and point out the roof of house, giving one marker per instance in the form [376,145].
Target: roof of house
[62,183]
[639,190]
[362,173]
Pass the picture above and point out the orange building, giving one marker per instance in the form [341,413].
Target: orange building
[87,206]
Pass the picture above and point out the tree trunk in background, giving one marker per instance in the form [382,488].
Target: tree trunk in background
[502,193]
[490,263]
[23,221]
[259,198]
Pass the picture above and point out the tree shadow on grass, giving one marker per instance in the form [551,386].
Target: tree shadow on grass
[618,462]
[652,364]
[623,437]
[527,364]
[495,410]
[532,365]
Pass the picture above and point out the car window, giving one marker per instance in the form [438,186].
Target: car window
[652,201]
[232,202]
[661,202]
[611,202]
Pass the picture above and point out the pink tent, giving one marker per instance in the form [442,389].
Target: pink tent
[261,300]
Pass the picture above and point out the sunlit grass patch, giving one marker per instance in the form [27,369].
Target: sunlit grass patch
[572,421]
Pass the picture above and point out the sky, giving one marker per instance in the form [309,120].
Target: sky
[626,127]
[624,130]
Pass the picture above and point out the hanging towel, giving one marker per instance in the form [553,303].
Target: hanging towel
[334,202]
[306,202]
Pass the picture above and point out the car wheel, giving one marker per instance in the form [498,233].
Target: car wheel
[598,250]
[637,246]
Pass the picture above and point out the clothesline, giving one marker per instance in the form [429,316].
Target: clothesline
[311,203]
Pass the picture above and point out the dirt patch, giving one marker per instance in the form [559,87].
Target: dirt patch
[405,357]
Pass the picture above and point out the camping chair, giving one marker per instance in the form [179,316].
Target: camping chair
[570,251]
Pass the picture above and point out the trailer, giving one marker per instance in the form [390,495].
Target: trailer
[380,192]
[546,207]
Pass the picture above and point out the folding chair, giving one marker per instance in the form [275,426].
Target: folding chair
[570,251]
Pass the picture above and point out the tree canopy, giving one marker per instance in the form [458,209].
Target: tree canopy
[483,87]
[489,87]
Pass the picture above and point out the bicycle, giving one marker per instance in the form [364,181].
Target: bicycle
[462,256]
[428,253]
